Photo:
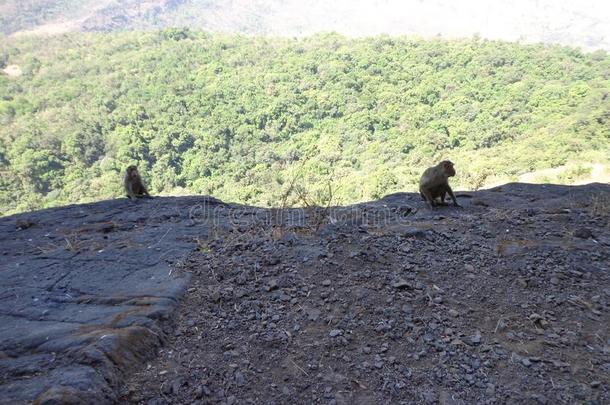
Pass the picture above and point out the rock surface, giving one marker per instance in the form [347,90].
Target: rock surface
[85,294]
[502,301]
[390,302]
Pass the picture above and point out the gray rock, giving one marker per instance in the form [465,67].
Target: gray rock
[335,332]
[105,267]
[541,399]
[401,284]
[272,285]
[240,380]
[583,233]
[313,314]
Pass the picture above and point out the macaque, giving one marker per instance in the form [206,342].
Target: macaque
[434,183]
[133,184]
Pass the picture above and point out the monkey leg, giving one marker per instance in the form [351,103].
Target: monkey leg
[428,197]
[450,191]
[442,196]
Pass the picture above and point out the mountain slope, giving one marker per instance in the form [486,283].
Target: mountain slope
[582,24]
[247,119]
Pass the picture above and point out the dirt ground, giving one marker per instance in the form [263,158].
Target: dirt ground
[504,301]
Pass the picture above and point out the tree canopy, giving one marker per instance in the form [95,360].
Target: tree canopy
[239,117]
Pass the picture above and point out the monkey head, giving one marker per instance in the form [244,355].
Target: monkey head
[448,168]
[132,171]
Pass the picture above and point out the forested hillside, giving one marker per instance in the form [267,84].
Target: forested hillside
[241,118]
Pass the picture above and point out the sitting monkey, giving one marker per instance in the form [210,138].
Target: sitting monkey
[434,183]
[133,184]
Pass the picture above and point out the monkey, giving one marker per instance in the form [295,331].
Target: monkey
[434,183]
[133,184]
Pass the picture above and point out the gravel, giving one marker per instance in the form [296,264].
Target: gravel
[440,306]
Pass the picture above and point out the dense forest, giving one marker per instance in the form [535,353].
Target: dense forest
[246,119]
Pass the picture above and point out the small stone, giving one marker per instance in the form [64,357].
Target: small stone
[476,338]
[526,362]
[540,398]
[469,378]
[454,313]
[469,268]
[413,232]
[554,280]
[401,284]
[230,354]
[272,285]
[167,389]
[335,332]
[581,392]
[583,233]
[313,314]
[22,224]
[272,261]
[240,380]
[595,384]
[326,283]
[430,397]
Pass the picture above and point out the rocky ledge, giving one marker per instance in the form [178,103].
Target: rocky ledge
[86,292]
[502,301]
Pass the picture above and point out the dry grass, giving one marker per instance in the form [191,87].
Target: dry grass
[599,204]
